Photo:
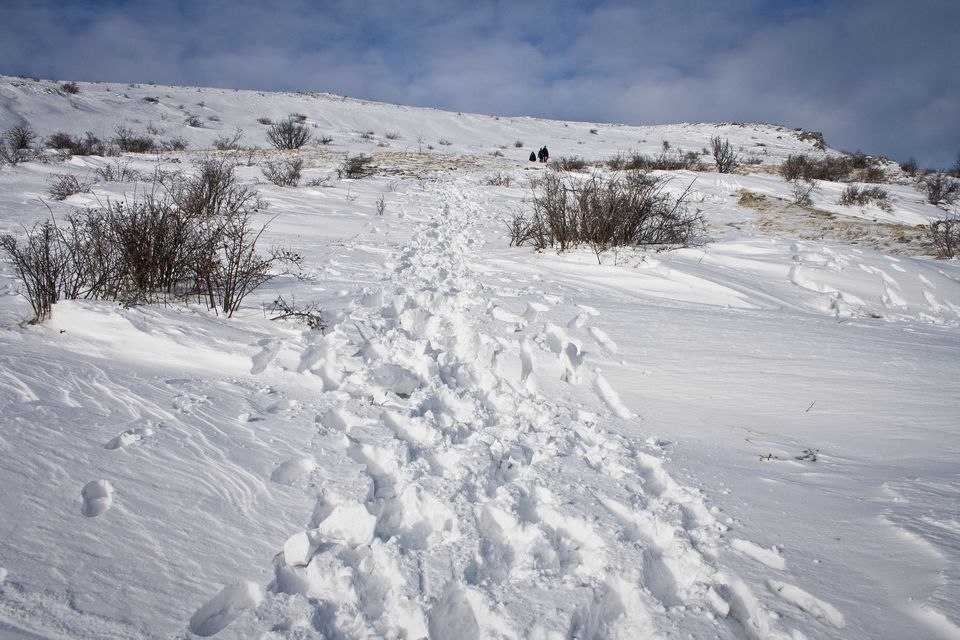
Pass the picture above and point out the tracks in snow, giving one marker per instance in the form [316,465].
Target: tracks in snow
[469,503]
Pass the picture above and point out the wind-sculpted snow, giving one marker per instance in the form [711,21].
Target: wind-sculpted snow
[487,499]
[751,438]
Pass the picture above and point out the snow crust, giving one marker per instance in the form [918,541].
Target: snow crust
[753,438]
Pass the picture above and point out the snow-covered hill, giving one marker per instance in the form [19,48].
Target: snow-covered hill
[753,438]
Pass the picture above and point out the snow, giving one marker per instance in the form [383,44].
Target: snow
[751,438]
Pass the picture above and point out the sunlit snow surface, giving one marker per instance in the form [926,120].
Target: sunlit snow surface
[752,438]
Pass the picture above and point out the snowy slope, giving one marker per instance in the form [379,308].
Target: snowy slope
[753,438]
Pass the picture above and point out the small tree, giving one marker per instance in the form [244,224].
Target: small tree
[288,134]
[724,155]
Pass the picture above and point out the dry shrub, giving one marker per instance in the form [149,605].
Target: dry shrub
[862,196]
[358,166]
[288,134]
[940,188]
[283,173]
[64,185]
[724,155]
[945,236]
[626,209]
[570,163]
[198,242]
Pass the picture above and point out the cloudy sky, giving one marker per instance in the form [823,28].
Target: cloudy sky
[882,76]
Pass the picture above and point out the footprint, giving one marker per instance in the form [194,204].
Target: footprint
[128,437]
[292,470]
[807,603]
[526,360]
[225,607]
[610,397]
[260,360]
[768,557]
[97,498]
[452,617]
[603,339]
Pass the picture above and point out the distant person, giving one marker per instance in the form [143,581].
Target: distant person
[541,154]
[533,157]
[546,154]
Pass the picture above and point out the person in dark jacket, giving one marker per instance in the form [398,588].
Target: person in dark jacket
[546,155]
[533,157]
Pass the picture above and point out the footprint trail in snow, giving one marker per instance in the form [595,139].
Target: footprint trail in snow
[467,503]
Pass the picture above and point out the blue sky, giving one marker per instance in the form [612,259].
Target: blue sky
[880,76]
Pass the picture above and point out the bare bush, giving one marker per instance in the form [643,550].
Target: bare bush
[940,188]
[623,210]
[70,87]
[88,145]
[20,137]
[321,182]
[324,139]
[857,167]
[392,135]
[723,155]
[358,166]
[64,185]
[518,144]
[228,142]
[945,236]
[862,196]
[299,118]
[498,179]
[214,191]
[815,137]
[283,173]
[444,142]
[153,249]
[571,163]
[118,171]
[527,230]
[381,206]
[664,161]
[59,140]
[40,263]
[174,144]
[309,314]
[16,144]
[193,121]
[910,167]
[129,142]
[802,191]
[288,134]
[233,268]
[264,120]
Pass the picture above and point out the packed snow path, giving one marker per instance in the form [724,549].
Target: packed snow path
[477,505]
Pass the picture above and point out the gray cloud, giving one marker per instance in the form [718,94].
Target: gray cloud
[877,75]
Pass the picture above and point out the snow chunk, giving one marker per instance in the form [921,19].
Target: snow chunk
[348,524]
[225,607]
